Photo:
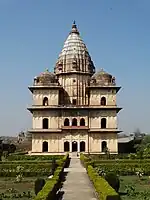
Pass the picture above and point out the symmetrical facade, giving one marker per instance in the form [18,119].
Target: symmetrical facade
[74,108]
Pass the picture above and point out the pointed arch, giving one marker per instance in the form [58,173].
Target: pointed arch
[74,122]
[66,146]
[82,122]
[103,123]
[45,146]
[66,122]
[45,123]
[104,146]
[103,101]
[45,101]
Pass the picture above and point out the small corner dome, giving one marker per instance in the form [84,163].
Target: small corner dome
[46,77]
[102,77]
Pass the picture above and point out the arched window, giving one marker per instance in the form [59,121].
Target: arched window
[66,122]
[82,146]
[74,122]
[103,123]
[104,146]
[45,101]
[103,101]
[74,146]
[45,123]
[66,146]
[82,122]
[45,146]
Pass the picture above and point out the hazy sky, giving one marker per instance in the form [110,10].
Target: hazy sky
[117,35]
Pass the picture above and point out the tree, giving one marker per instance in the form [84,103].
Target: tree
[143,149]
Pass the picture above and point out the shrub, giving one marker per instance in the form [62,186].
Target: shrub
[113,180]
[103,189]
[39,183]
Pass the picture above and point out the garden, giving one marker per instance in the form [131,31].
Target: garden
[119,176]
[30,177]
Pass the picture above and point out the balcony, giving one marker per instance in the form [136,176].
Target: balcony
[75,127]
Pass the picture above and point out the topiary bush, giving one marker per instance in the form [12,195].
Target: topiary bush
[39,183]
[113,180]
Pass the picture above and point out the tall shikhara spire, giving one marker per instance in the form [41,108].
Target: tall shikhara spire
[74,55]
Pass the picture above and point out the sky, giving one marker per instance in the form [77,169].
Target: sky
[116,33]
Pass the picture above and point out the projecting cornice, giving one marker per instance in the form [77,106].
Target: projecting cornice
[44,87]
[60,107]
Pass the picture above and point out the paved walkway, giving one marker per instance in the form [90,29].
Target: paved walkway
[77,185]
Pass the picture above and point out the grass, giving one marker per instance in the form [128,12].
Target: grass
[140,185]
[27,184]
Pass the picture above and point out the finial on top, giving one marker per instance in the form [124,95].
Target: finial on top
[74,28]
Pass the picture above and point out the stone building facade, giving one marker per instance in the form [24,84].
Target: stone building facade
[74,109]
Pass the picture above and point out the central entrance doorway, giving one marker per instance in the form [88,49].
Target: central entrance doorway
[74,146]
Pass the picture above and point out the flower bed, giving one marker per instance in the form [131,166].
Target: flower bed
[28,170]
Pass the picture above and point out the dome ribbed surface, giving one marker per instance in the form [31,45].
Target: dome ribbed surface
[74,55]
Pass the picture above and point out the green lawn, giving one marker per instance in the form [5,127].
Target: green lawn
[27,184]
[135,186]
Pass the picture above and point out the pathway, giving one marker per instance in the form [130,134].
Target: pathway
[77,185]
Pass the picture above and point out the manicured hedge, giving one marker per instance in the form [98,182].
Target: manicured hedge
[103,189]
[104,156]
[22,162]
[37,157]
[118,161]
[52,185]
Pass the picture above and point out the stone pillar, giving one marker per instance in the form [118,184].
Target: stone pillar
[78,145]
[70,146]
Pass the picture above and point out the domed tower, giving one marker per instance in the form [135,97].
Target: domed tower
[74,68]
[74,109]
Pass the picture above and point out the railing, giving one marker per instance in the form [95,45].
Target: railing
[74,127]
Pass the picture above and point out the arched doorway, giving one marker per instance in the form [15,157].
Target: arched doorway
[103,101]
[82,122]
[45,123]
[104,146]
[45,146]
[103,123]
[66,146]
[74,122]
[45,101]
[74,146]
[66,122]
[82,146]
